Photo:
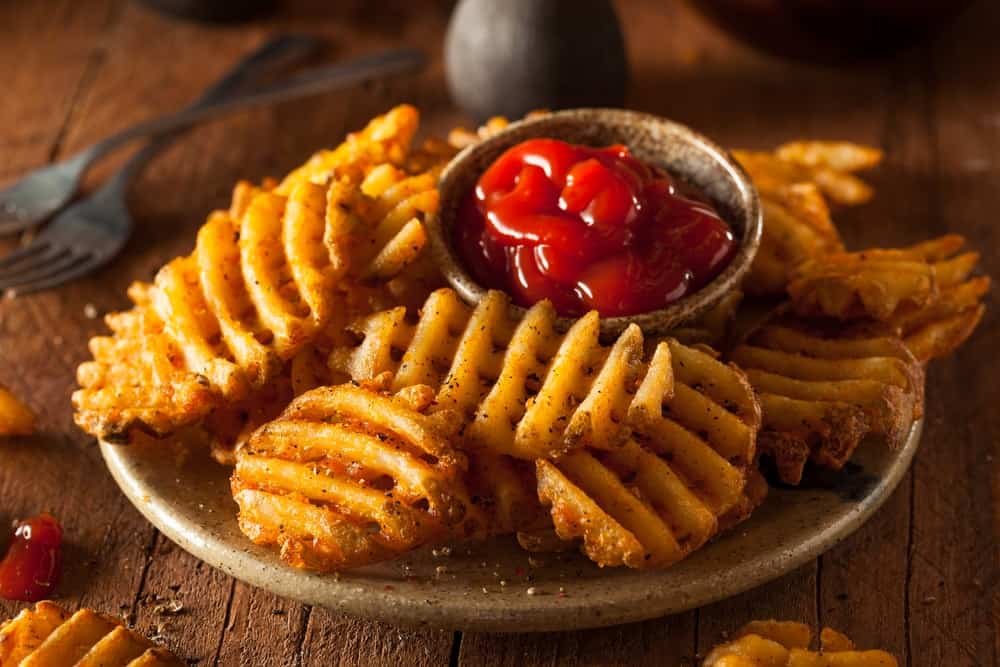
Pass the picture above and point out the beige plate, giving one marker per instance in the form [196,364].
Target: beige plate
[189,501]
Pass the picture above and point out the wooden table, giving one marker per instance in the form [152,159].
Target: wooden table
[920,579]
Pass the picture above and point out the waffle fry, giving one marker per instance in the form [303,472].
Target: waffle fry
[15,417]
[822,394]
[623,523]
[681,476]
[924,293]
[527,390]
[348,476]
[937,330]
[794,183]
[504,488]
[285,266]
[49,636]
[137,380]
[530,392]
[386,139]
[878,283]
[786,644]
[830,165]
[461,137]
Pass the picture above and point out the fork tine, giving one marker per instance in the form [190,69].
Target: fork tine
[20,254]
[91,263]
[12,224]
[39,270]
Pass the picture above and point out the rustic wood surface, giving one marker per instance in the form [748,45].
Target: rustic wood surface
[920,579]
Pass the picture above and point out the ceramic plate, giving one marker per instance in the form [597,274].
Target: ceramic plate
[494,586]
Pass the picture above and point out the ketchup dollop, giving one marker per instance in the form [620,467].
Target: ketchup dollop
[588,228]
[30,570]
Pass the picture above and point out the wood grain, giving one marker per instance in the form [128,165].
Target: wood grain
[920,579]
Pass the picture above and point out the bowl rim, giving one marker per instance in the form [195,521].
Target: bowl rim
[654,322]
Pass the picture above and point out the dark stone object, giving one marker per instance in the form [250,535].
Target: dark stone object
[513,56]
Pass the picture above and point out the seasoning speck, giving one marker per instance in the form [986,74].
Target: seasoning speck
[90,311]
[532,591]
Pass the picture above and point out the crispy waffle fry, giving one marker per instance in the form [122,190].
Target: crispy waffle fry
[797,226]
[49,636]
[386,139]
[923,293]
[676,416]
[830,165]
[348,476]
[527,390]
[794,183]
[506,491]
[786,644]
[15,417]
[679,478]
[281,269]
[137,379]
[821,394]
[938,329]
[461,137]
[879,283]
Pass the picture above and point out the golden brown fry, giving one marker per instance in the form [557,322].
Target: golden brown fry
[794,183]
[49,636]
[506,491]
[531,392]
[786,644]
[822,392]
[829,165]
[461,137]
[137,379]
[527,390]
[347,476]
[222,325]
[923,293]
[15,417]
[683,474]
[879,283]
[797,227]
[627,506]
[386,139]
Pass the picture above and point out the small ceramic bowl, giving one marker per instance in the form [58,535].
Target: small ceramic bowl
[675,147]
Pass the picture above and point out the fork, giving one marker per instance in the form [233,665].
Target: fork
[38,195]
[88,234]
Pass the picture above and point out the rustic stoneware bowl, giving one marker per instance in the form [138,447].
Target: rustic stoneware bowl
[495,585]
[675,147]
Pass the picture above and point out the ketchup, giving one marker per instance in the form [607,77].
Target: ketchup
[30,570]
[588,228]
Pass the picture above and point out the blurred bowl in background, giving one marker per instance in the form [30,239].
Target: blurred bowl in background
[213,11]
[831,31]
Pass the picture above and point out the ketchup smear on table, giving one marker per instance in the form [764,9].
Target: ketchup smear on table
[31,568]
[588,228]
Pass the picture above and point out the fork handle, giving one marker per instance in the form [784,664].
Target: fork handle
[309,82]
[276,52]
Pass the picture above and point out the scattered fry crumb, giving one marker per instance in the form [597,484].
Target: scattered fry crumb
[169,607]
[15,417]
[90,311]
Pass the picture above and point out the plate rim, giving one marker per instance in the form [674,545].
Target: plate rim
[526,614]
